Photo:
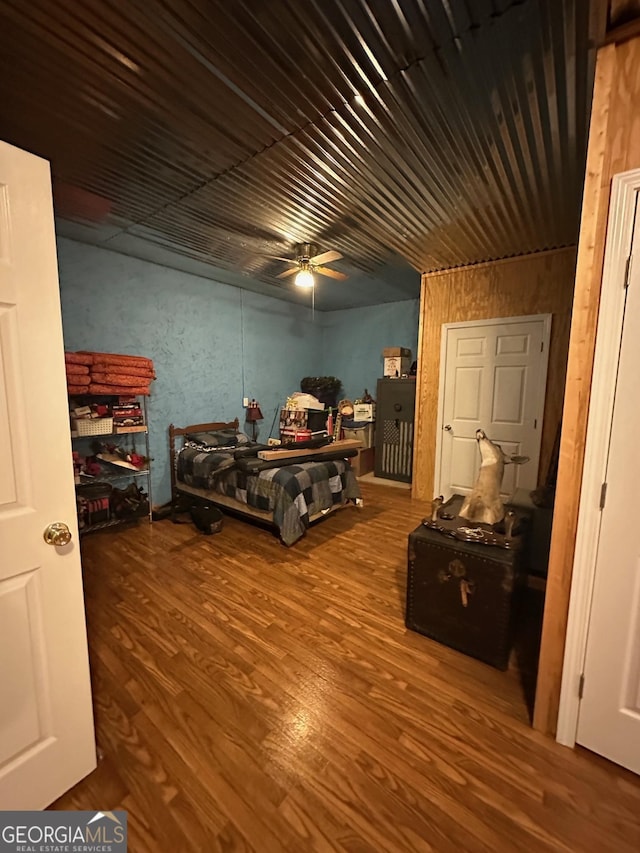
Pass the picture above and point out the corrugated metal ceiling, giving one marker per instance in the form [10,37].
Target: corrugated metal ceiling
[208,135]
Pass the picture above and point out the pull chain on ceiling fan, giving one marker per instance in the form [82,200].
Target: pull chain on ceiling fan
[308,262]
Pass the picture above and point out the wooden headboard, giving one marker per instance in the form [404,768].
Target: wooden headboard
[175,431]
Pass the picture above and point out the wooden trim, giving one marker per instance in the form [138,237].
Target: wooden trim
[598,16]
[579,370]
[418,421]
[623,33]
[498,262]
[610,320]
[498,321]
[437,471]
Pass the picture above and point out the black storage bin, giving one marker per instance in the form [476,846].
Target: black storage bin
[316,420]
[94,502]
[207,518]
[464,595]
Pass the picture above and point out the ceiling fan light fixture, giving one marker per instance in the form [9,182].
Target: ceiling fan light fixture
[304,278]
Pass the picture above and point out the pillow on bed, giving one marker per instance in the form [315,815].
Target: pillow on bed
[223,439]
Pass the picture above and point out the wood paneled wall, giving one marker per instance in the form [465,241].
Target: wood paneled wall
[530,284]
[614,147]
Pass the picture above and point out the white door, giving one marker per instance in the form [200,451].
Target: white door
[609,716]
[493,376]
[46,721]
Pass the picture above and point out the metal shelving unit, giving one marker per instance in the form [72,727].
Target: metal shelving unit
[101,525]
[110,472]
[108,478]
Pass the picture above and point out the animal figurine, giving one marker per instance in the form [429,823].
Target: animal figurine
[484,503]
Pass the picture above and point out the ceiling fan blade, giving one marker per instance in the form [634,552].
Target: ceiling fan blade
[331,273]
[325,258]
[278,258]
[287,272]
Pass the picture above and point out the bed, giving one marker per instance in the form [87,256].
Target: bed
[290,497]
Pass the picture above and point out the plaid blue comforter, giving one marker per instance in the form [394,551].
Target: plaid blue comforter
[292,493]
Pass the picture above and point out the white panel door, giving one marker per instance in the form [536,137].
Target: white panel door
[46,720]
[493,377]
[609,717]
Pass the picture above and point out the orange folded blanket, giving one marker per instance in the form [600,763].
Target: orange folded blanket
[77,379]
[141,390]
[117,379]
[117,358]
[124,370]
[78,369]
[77,389]
[78,358]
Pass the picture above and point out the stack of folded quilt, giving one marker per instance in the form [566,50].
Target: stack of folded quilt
[109,373]
[78,372]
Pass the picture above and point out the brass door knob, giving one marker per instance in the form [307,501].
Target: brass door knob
[57,534]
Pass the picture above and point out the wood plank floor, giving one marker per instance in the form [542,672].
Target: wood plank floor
[254,697]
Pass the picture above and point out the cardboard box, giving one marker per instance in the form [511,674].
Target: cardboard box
[364,462]
[364,412]
[396,352]
[363,434]
[396,366]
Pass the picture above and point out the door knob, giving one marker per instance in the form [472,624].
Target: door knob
[57,534]
[447,427]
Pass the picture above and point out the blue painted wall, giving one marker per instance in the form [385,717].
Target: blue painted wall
[211,343]
[353,340]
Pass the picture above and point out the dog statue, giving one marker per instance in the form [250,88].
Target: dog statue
[483,503]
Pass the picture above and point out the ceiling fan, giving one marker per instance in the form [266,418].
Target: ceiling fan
[308,262]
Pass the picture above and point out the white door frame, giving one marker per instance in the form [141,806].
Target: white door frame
[491,321]
[624,190]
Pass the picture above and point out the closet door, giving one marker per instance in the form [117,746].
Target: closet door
[493,377]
